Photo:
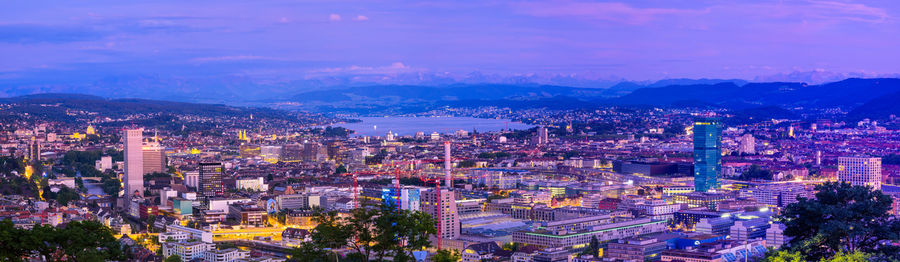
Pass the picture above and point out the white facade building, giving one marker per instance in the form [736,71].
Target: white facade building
[187,250]
[134,163]
[860,171]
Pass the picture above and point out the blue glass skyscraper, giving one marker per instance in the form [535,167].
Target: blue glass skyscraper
[707,155]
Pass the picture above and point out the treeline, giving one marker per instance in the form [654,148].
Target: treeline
[370,234]
[841,223]
[76,241]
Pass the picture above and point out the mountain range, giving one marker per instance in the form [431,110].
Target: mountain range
[867,98]
[848,94]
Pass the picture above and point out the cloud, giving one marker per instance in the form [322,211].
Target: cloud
[604,11]
[362,18]
[824,10]
[393,68]
[34,33]
[334,17]
[231,58]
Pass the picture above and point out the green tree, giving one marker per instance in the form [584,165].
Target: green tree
[400,232]
[783,256]
[341,169]
[466,164]
[511,246]
[446,255]
[594,246]
[841,218]
[848,257]
[77,241]
[15,242]
[173,258]
[372,233]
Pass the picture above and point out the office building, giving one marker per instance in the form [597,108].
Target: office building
[134,163]
[154,158]
[447,217]
[635,249]
[623,228]
[707,154]
[210,177]
[270,153]
[714,226]
[744,230]
[409,197]
[689,256]
[860,171]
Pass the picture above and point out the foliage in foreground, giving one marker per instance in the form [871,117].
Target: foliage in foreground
[842,222]
[371,234]
[76,241]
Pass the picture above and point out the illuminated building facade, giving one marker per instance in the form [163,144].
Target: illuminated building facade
[860,171]
[448,221]
[211,180]
[707,154]
[409,197]
[134,163]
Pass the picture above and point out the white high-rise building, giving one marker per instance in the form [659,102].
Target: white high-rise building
[748,145]
[134,162]
[860,171]
[448,221]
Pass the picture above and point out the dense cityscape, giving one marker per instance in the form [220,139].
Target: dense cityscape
[450,131]
[613,184]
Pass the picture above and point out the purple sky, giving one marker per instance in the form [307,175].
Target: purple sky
[372,40]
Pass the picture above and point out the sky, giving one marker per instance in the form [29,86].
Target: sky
[57,43]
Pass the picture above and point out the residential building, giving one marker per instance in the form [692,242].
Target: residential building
[447,217]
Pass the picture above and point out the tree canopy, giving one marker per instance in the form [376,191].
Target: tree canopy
[841,219]
[371,233]
[76,241]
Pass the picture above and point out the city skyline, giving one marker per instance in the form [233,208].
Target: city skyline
[450,131]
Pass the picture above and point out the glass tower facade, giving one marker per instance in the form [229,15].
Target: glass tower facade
[707,155]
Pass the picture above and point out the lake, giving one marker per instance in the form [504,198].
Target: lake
[408,126]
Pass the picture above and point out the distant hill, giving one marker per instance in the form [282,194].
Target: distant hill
[59,106]
[758,114]
[406,94]
[702,81]
[847,93]
[879,108]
